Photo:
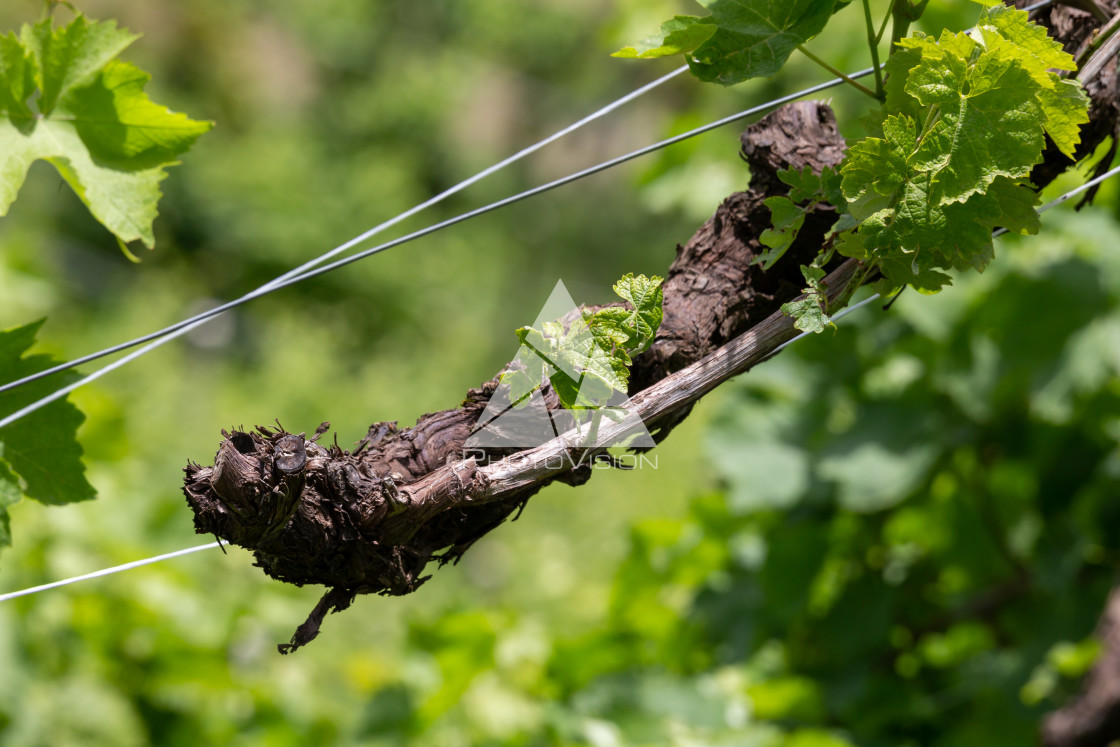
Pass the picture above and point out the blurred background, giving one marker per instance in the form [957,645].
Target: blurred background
[898,533]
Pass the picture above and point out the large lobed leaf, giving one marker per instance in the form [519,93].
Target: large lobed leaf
[39,454]
[92,121]
[964,123]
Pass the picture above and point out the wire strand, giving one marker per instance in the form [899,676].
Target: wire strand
[107,571]
[209,314]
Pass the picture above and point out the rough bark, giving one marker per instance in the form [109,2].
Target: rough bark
[371,519]
[1072,27]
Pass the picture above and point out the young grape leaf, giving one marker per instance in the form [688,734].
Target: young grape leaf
[810,311]
[640,323]
[598,372]
[91,121]
[1037,50]
[807,185]
[787,214]
[589,360]
[527,377]
[786,220]
[990,122]
[741,39]
[39,454]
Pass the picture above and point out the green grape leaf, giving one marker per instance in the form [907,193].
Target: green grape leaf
[947,161]
[786,219]
[39,454]
[525,380]
[787,214]
[17,78]
[1006,31]
[638,324]
[897,71]
[589,360]
[875,169]
[608,326]
[990,123]
[1013,206]
[94,124]
[1037,50]
[678,35]
[600,372]
[742,39]
[807,185]
[810,311]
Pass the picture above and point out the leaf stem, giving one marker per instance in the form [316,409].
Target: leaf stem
[883,25]
[856,84]
[593,431]
[874,45]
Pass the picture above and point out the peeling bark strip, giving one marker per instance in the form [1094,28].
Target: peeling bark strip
[371,519]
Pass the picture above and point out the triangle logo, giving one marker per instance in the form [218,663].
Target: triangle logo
[527,422]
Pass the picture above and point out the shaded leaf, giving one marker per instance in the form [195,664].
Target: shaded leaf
[786,220]
[809,312]
[40,448]
[741,39]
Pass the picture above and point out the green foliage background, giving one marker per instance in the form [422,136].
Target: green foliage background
[809,563]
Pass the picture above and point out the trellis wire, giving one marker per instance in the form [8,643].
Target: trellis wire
[304,272]
[835,317]
[107,571]
[295,272]
[181,328]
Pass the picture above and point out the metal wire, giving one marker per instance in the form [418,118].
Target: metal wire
[106,571]
[295,272]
